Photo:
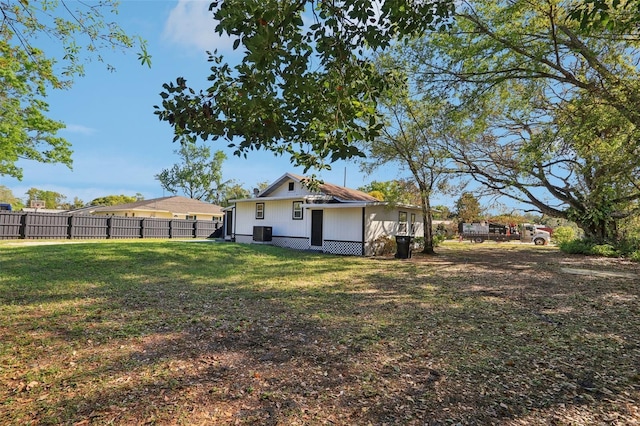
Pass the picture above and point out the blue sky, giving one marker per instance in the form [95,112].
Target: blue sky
[118,143]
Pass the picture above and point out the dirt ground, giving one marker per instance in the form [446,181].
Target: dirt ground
[496,335]
[522,256]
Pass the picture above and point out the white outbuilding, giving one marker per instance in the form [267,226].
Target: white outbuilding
[330,219]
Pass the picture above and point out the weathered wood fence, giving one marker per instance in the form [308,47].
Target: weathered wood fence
[18,225]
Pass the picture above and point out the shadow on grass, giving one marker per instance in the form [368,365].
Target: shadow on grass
[226,333]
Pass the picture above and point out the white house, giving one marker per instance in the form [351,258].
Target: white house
[333,219]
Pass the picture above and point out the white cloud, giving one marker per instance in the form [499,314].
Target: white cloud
[191,24]
[78,128]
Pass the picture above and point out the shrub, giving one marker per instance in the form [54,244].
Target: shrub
[588,247]
[384,245]
[417,243]
[438,239]
[628,246]
[563,234]
[635,256]
[576,247]
[606,250]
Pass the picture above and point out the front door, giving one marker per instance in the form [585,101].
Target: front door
[316,228]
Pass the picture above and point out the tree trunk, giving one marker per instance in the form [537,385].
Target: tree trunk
[600,231]
[427,221]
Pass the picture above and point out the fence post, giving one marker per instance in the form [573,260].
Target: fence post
[170,228]
[23,226]
[142,228]
[70,229]
[108,227]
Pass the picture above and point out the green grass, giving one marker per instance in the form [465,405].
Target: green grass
[167,332]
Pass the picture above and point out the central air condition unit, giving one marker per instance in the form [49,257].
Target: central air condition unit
[262,233]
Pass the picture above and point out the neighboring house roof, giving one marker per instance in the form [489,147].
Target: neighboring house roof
[174,204]
[83,210]
[39,210]
[339,193]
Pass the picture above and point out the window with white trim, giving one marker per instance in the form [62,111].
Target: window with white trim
[402,222]
[259,210]
[297,210]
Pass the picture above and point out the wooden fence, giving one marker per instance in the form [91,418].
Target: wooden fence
[18,225]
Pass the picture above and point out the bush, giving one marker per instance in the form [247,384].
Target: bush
[438,239]
[628,246]
[576,247]
[563,234]
[590,248]
[606,250]
[417,243]
[384,245]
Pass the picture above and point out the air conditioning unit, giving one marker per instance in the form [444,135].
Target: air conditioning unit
[262,233]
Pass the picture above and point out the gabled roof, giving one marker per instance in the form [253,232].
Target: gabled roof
[346,194]
[339,193]
[174,204]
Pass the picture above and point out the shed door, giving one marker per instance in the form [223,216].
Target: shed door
[229,223]
[316,227]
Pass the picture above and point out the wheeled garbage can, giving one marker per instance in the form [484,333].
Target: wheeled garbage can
[403,244]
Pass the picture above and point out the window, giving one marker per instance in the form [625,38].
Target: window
[190,217]
[259,210]
[290,186]
[402,222]
[413,223]
[297,210]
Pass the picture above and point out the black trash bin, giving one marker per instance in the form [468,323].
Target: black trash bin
[403,243]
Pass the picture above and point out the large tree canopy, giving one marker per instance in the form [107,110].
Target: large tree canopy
[6,196]
[198,175]
[533,76]
[114,200]
[549,111]
[412,140]
[81,30]
[304,86]
[52,199]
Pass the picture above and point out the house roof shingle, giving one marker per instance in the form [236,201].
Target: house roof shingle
[346,194]
[174,204]
[340,193]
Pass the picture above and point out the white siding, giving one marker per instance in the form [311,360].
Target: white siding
[283,190]
[245,218]
[343,224]
[277,214]
[382,220]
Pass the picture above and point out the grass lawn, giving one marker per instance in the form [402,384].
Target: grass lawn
[169,332]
